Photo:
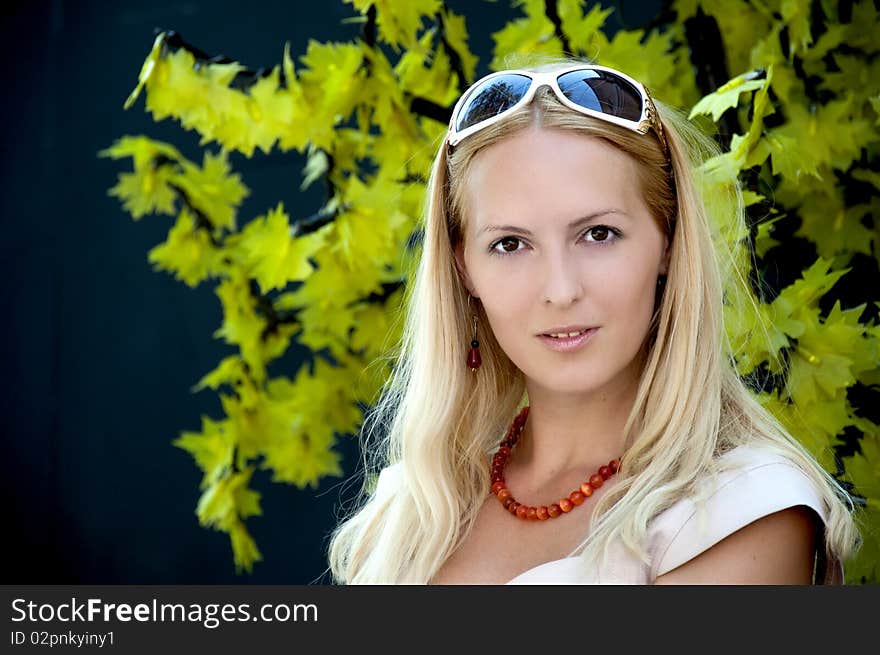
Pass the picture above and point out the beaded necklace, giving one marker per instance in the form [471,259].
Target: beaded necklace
[544,512]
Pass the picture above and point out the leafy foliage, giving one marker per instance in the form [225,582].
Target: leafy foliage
[799,123]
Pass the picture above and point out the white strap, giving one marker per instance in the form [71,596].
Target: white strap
[741,497]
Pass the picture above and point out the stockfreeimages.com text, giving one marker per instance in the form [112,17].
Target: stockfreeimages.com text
[210,615]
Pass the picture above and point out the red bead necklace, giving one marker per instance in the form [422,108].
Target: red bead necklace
[544,512]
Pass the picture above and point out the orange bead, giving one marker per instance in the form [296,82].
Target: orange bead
[507,502]
[542,513]
[577,497]
[605,472]
[531,513]
[521,511]
[503,493]
[497,486]
[554,510]
[614,465]
[565,504]
[513,507]
[596,480]
[586,489]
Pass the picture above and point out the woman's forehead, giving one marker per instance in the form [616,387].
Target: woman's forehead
[548,175]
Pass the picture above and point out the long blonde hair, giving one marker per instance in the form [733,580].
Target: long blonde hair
[439,422]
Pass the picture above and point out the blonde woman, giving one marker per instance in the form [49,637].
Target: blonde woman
[562,410]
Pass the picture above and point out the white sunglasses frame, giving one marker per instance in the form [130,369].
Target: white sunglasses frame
[649,117]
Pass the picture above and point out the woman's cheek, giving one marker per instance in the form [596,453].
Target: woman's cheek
[626,297]
[510,288]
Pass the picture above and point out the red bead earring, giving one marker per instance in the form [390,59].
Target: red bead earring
[473,358]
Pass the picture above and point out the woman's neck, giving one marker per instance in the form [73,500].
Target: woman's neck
[567,431]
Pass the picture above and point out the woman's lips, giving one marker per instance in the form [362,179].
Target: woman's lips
[568,344]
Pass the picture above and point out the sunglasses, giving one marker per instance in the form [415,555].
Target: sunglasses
[596,91]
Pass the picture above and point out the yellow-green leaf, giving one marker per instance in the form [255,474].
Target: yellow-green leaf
[727,96]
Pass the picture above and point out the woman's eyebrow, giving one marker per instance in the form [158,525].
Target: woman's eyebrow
[575,223]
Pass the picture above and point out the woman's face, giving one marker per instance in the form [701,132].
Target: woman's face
[557,234]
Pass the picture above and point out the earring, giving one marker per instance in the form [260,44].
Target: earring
[473,358]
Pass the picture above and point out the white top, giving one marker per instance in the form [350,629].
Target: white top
[759,483]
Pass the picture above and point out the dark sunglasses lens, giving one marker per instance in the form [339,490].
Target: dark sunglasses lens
[491,98]
[602,91]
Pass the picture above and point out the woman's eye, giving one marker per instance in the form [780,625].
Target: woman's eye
[510,241]
[599,232]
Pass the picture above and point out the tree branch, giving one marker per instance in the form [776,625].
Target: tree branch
[274,318]
[454,58]
[430,109]
[242,81]
[314,221]
[388,289]
[708,58]
[552,12]
[202,221]
[369,31]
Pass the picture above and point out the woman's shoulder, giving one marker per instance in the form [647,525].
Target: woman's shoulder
[752,473]
[752,482]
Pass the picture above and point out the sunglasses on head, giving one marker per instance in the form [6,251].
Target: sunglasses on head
[596,91]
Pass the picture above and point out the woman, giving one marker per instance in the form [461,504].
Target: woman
[563,409]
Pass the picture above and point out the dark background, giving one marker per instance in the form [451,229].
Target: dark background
[99,351]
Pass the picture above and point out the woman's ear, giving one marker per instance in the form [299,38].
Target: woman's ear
[462,268]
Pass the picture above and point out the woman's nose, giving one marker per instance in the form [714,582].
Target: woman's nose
[563,280]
